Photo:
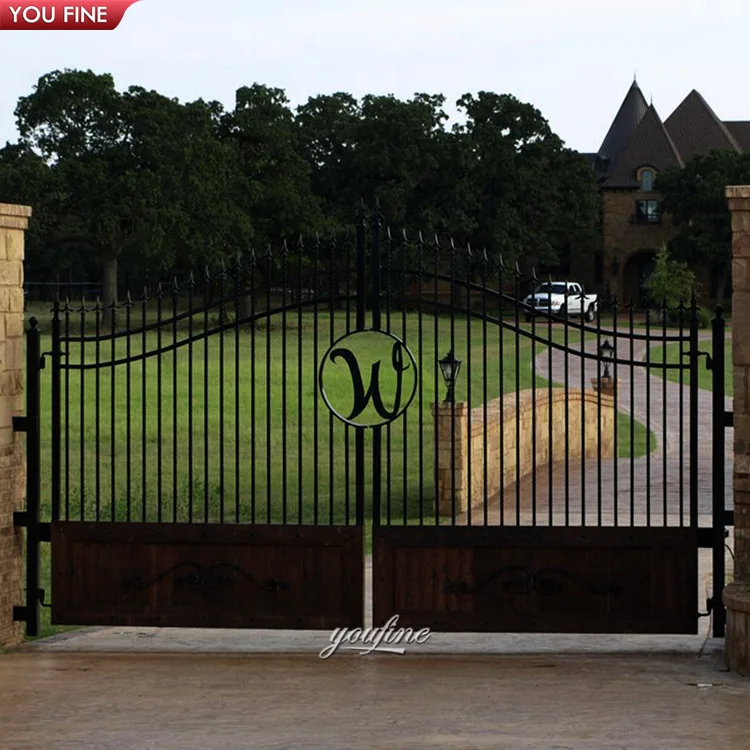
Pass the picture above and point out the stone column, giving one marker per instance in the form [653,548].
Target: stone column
[13,222]
[737,594]
[451,474]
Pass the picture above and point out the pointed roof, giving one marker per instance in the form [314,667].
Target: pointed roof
[695,128]
[740,130]
[649,145]
[627,119]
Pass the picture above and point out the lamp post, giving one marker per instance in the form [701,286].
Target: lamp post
[450,367]
[606,354]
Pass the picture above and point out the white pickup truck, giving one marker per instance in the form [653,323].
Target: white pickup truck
[562,298]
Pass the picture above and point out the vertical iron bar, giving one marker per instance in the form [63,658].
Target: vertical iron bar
[517,386]
[616,397]
[566,380]
[144,422]
[268,385]
[582,329]
[467,286]
[719,478]
[67,409]
[550,427]
[436,329]
[694,425]
[534,286]
[681,361]
[648,417]
[599,417]
[174,401]
[206,360]
[376,324]
[664,375]
[82,443]
[128,417]
[485,456]
[253,462]
[300,440]
[359,434]
[316,460]
[405,417]
[453,394]
[159,398]
[56,413]
[33,477]
[420,374]
[501,389]
[331,339]
[237,475]
[222,412]
[632,369]
[284,458]
[97,388]
[347,429]
[191,287]
[388,467]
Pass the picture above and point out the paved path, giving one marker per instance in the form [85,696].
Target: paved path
[645,491]
[382,701]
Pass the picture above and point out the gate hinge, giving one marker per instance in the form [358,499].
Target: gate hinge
[20,424]
[728,419]
[21,519]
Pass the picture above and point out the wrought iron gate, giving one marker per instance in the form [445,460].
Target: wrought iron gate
[223,452]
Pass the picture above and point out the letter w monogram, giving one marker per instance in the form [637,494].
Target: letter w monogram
[362,397]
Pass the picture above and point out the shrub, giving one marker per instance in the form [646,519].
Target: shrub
[677,317]
[671,282]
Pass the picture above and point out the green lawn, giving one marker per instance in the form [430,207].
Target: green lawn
[272,452]
[705,377]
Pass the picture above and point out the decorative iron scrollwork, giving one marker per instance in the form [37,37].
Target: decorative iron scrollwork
[544,582]
[215,577]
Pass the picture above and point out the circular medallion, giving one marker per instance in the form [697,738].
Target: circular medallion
[368,378]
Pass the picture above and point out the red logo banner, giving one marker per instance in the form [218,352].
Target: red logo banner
[62,15]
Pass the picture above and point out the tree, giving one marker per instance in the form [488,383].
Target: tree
[275,184]
[671,283]
[694,196]
[534,199]
[139,175]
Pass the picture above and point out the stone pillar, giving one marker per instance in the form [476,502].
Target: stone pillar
[451,475]
[13,222]
[737,594]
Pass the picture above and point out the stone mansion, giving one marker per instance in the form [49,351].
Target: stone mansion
[636,148]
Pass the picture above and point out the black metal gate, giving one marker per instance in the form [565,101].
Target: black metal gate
[225,451]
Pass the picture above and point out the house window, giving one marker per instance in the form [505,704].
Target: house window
[647,212]
[647,180]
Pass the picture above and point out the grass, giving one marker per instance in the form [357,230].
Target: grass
[230,428]
[705,377]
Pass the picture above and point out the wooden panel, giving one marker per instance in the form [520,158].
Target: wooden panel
[216,576]
[544,580]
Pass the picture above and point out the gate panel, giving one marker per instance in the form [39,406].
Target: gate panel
[194,463]
[553,580]
[215,576]
[548,476]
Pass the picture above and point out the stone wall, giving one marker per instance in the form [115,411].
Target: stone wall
[13,222]
[503,413]
[737,594]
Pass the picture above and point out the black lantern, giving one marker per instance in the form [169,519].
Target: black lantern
[607,354]
[450,367]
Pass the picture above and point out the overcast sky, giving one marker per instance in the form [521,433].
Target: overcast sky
[573,59]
